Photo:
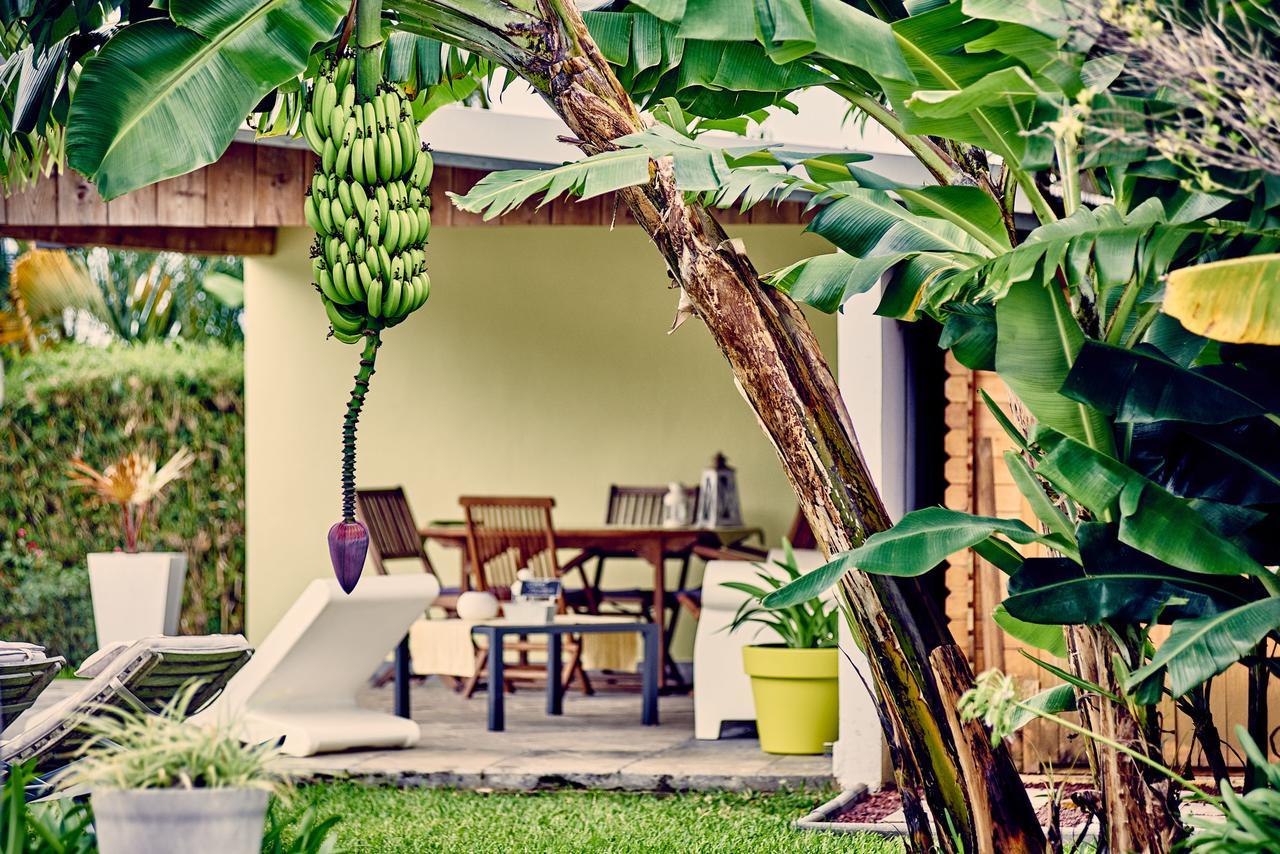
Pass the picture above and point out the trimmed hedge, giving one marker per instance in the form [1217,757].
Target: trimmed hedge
[100,404]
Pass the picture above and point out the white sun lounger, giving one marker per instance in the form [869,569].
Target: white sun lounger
[302,683]
[141,676]
[25,671]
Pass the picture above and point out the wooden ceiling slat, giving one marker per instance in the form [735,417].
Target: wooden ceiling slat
[136,208]
[35,205]
[180,201]
[79,202]
[229,187]
[279,185]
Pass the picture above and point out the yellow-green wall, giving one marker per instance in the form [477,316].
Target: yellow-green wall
[540,365]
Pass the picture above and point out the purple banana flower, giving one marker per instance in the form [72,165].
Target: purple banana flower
[348,545]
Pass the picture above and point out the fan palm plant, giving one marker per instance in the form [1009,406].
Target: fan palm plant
[132,484]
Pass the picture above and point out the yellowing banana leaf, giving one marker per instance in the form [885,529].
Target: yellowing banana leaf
[161,99]
[1237,301]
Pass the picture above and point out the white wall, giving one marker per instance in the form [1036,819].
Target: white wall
[873,383]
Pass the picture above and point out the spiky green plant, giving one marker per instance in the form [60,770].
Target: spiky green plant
[131,750]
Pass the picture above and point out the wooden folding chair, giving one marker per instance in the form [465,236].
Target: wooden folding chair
[640,506]
[505,535]
[393,535]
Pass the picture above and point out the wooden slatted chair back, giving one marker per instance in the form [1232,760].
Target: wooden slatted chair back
[393,533]
[506,534]
[641,506]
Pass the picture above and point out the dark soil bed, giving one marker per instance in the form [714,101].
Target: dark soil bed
[878,806]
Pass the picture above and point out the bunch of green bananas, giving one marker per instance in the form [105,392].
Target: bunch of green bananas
[369,203]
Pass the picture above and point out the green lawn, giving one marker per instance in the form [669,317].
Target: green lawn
[414,820]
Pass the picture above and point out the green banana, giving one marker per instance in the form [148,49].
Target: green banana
[359,198]
[379,109]
[370,160]
[357,157]
[328,156]
[337,122]
[342,322]
[352,278]
[312,134]
[339,218]
[344,196]
[384,153]
[325,280]
[348,95]
[373,298]
[351,230]
[391,235]
[309,213]
[325,214]
[339,274]
[365,277]
[397,155]
[374,265]
[348,339]
[391,301]
[424,216]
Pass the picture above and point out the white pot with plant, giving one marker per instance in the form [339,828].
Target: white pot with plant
[135,593]
[160,784]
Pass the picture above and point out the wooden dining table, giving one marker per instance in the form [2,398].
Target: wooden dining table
[652,544]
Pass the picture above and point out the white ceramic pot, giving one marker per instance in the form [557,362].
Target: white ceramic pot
[193,821]
[136,595]
[477,605]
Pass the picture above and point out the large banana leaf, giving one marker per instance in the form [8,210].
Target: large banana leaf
[1043,637]
[936,44]
[918,543]
[1059,698]
[1197,650]
[869,222]
[1142,386]
[161,99]
[1037,340]
[827,281]
[1151,519]
[1236,300]
[790,30]
[1236,463]
[1116,582]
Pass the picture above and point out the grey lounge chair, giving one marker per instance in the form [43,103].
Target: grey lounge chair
[142,676]
[25,671]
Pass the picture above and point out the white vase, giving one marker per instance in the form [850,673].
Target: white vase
[136,595]
[193,821]
[477,605]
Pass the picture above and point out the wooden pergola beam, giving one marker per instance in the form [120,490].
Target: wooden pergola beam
[217,240]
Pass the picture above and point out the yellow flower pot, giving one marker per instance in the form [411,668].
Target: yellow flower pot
[797,697]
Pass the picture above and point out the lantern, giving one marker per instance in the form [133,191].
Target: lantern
[718,505]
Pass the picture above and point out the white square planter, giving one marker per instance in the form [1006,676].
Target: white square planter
[136,595]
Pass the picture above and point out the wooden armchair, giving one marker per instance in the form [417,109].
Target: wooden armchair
[638,506]
[393,535]
[504,535]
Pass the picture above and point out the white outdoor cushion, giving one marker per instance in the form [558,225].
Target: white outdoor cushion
[14,651]
[302,682]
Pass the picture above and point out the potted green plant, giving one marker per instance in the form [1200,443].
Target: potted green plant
[160,783]
[794,681]
[135,593]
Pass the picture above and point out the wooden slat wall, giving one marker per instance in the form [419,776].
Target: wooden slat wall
[971,429]
[233,206]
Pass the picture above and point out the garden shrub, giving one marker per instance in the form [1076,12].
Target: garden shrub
[100,404]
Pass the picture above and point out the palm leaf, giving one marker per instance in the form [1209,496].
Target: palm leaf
[163,98]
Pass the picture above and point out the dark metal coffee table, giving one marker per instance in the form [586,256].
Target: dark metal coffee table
[497,633]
